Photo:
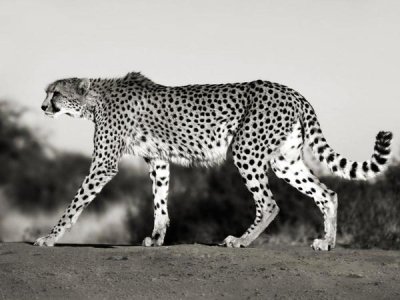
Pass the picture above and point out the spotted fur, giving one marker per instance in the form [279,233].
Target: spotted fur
[265,124]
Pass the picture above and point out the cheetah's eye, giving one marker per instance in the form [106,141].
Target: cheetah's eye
[56,94]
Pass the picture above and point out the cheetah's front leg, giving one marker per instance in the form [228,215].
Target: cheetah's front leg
[91,186]
[159,174]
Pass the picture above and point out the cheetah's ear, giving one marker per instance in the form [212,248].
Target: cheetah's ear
[84,86]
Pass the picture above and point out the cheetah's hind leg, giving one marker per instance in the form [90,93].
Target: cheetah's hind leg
[254,173]
[299,176]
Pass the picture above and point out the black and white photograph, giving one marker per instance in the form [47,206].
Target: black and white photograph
[205,149]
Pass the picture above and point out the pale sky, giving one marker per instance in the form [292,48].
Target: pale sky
[343,56]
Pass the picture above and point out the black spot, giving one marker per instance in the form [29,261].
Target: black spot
[353,171]
[380,160]
[374,168]
[382,150]
[343,163]
[255,189]
[322,149]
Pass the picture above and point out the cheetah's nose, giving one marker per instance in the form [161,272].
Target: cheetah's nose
[44,107]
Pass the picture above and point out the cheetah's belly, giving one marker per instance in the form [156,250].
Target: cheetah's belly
[181,154]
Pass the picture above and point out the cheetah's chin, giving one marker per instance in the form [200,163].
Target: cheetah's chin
[50,115]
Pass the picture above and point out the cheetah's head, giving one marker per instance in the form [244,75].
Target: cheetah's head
[68,96]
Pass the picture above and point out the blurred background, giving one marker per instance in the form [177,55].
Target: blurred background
[342,56]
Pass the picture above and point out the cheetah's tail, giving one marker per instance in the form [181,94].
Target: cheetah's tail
[341,166]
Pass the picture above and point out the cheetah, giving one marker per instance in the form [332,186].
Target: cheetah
[264,124]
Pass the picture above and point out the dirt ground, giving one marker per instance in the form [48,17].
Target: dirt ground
[196,271]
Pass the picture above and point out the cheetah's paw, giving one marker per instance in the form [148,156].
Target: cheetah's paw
[234,242]
[48,241]
[322,245]
[149,242]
